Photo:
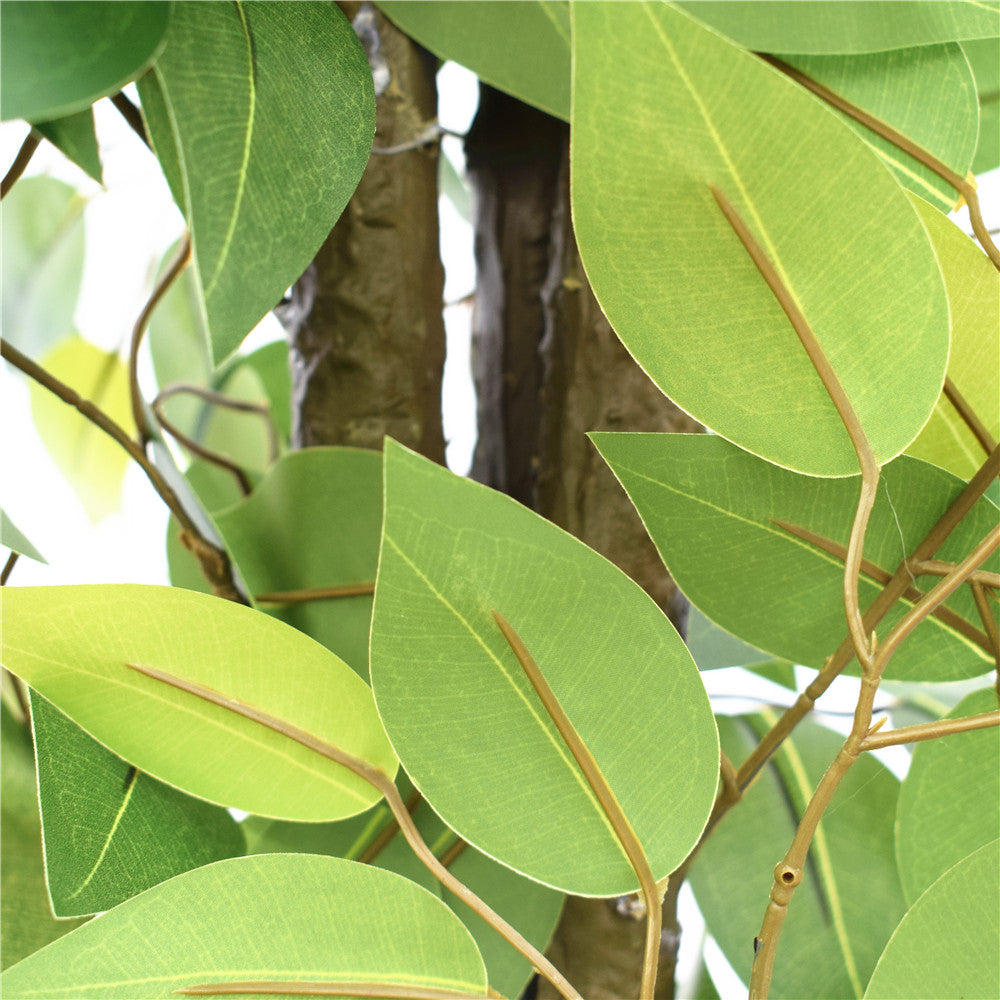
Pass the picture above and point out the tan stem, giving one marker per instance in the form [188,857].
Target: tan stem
[969,416]
[930,731]
[316,593]
[938,567]
[20,164]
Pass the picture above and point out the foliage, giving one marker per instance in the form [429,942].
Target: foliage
[759,197]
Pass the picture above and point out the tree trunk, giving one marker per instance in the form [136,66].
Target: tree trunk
[549,369]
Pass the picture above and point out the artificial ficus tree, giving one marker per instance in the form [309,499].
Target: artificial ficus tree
[441,712]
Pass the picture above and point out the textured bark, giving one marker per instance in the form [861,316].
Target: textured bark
[548,370]
[365,325]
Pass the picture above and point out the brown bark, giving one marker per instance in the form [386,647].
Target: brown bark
[550,369]
[365,325]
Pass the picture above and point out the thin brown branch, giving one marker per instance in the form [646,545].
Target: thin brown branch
[132,115]
[938,567]
[605,796]
[382,783]
[388,832]
[989,622]
[450,856]
[969,416]
[8,567]
[930,731]
[24,154]
[316,593]
[180,262]
[383,991]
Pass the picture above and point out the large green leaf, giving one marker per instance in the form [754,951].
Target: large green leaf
[26,920]
[850,898]
[663,108]
[15,539]
[262,116]
[984,55]
[75,136]
[94,463]
[273,917]
[314,521]
[948,944]
[72,644]
[520,47]
[974,299]
[927,93]
[59,58]
[42,262]
[110,830]
[847,25]
[953,776]
[469,729]
[711,509]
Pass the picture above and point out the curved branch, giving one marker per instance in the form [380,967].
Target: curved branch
[21,161]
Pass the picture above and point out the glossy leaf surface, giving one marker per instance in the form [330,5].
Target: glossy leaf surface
[263,175]
[711,509]
[279,917]
[848,25]
[850,899]
[75,136]
[111,831]
[15,539]
[953,777]
[928,958]
[93,462]
[984,55]
[72,644]
[664,108]
[974,300]
[521,48]
[468,727]
[60,57]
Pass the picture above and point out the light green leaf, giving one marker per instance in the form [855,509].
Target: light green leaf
[314,521]
[75,136]
[270,362]
[663,108]
[848,25]
[713,647]
[468,727]
[948,944]
[112,831]
[955,777]
[974,299]
[850,898]
[15,540]
[58,58]
[93,462]
[262,116]
[42,269]
[927,93]
[278,917]
[72,644]
[26,921]
[984,55]
[711,509]
[519,47]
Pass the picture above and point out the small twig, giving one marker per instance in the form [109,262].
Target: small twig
[21,161]
[180,262]
[316,593]
[431,134]
[929,731]
[8,567]
[989,622]
[132,115]
[969,416]
[605,796]
[383,784]
[450,856]
[382,991]
[388,832]
[938,567]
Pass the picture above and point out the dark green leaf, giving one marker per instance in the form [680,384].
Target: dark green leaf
[74,135]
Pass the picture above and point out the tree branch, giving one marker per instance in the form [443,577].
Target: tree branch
[21,161]
[316,593]
[930,731]
[969,416]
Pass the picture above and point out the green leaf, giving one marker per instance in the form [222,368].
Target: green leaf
[111,831]
[849,900]
[262,116]
[26,921]
[93,462]
[43,244]
[974,299]
[270,362]
[711,508]
[322,919]
[852,26]
[948,776]
[664,108]
[75,136]
[927,93]
[713,647]
[522,48]
[58,58]
[946,946]
[72,644]
[314,521]
[15,540]
[984,55]
[464,719]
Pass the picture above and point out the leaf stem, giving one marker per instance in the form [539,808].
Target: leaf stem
[989,622]
[8,567]
[132,115]
[382,783]
[383,991]
[316,593]
[969,416]
[388,833]
[605,796]
[938,567]
[930,731]
[24,154]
